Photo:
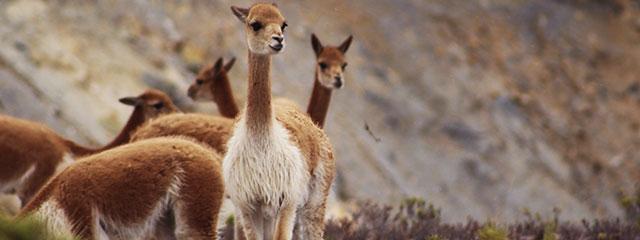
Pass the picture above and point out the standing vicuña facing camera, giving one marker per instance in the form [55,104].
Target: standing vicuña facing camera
[279,165]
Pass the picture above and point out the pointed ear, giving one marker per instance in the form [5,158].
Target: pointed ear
[345,45]
[315,43]
[229,64]
[241,13]
[218,65]
[131,101]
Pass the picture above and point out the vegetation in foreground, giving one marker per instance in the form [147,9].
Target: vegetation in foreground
[25,229]
[414,219]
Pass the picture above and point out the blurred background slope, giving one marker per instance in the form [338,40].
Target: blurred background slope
[483,108]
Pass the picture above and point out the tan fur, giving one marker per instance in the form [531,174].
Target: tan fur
[212,84]
[279,162]
[211,130]
[330,66]
[32,152]
[122,192]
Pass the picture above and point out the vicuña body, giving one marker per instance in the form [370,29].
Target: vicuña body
[31,152]
[330,66]
[279,165]
[125,192]
[211,130]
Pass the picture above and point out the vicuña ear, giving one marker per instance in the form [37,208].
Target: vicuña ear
[345,45]
[131,101]
[218,65]
[229,64]
[315,43]
[241,13]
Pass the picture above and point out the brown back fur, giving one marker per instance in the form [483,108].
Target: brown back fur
[211,130]
[124,185]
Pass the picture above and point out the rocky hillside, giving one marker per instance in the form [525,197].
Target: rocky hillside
[483,108]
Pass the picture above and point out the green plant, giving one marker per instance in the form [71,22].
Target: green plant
[25,229]
[549,231]
[631,205]
[492,232]
[434,237]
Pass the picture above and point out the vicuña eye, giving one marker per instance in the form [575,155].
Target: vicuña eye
[284,25]
[344,65]
[323,65]
[199,81]
[158,105]
[256,26]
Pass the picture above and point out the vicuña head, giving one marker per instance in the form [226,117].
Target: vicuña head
[331,62]
[152,103]
[264,27]
[212,84]
[210,80]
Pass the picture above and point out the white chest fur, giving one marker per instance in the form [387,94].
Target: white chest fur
[267,169]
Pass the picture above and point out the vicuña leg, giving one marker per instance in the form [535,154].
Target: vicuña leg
[286,221]
[238,233]
[269,225]
[34,181]
[312,219]
[84,223]
[252,223]
[297,228]
[198,203]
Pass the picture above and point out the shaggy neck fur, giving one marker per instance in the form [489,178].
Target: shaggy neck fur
[319,102]
[223,96]
[259,114]
[135,120]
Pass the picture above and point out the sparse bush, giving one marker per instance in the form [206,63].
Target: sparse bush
[415,219]
[492,232]
[631,205]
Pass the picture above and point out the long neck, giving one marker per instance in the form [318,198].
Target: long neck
[259,114]
[319,103]
[135,120]
[221,90]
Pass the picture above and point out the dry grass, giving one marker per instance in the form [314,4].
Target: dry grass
[414,219]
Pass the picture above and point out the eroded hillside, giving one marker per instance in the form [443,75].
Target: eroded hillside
[481,107]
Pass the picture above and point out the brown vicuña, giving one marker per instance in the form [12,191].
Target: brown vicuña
[279,165]
[212,84]
[329,75]
[31,152]
[128,191]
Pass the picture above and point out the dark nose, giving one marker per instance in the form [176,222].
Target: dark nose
[191,92]
[338,83]
[278,38]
